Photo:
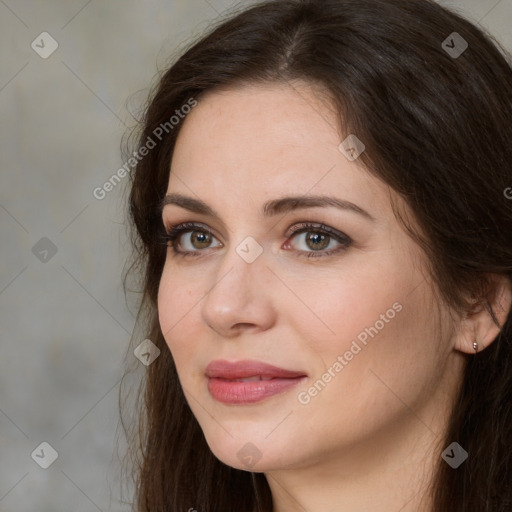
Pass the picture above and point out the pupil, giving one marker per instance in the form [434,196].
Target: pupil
[201,237]
[316,238]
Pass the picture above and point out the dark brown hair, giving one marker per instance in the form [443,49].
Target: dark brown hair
[437,129]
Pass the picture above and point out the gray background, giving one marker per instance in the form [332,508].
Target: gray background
[65,324]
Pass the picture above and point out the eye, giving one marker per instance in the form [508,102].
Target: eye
[200,239]
[191,239]
[319,237]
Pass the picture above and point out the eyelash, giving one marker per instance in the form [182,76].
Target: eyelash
[172,233]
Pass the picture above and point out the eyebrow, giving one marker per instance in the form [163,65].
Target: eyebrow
[270,208]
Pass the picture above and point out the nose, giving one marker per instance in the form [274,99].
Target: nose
[240,296]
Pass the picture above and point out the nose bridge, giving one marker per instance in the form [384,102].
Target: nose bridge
[242,266]
[238,294]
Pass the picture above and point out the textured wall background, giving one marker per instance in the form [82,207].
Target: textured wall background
[65,325]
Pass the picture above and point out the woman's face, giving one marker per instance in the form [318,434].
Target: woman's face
[355,323]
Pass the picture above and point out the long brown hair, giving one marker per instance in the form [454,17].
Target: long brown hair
[437,127]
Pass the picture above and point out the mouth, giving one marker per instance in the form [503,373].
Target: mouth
[248,379]
[245,382]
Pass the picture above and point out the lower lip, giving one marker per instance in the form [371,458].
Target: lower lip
[237,393]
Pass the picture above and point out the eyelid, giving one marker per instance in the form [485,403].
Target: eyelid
[172,232]
[183,227]
[294,229]
[304,226]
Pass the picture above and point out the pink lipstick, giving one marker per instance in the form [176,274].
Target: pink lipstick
[245,382]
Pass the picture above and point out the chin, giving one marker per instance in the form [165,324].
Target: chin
[255,454]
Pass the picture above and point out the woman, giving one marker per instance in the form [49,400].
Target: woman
[325,235]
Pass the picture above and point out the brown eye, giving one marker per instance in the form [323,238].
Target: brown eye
[317,239]
[192,239]
[199,239]
[188,238]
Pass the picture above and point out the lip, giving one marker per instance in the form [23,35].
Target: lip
[224,387]
[222,369]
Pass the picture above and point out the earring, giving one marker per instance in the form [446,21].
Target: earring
[475,346]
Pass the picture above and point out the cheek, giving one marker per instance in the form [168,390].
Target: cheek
[338,306]
[176,303]
[373,322]
[383,356]
[178,309]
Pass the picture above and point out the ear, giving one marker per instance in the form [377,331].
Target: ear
[478,324]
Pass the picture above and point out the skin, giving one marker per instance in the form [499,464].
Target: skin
[370,438]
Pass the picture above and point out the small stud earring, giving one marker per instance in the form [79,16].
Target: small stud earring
[475,346]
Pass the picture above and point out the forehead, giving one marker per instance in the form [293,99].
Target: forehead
[276,114]
[261,141]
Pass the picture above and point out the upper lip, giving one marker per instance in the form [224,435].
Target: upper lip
[242,369]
